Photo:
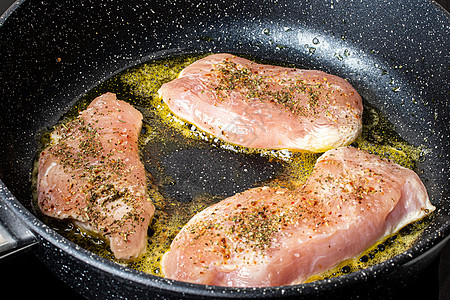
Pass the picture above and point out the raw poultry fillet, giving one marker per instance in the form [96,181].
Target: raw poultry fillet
[264,106]
[270,236]
[93,174]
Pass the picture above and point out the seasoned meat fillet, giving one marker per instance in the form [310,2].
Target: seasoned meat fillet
[92,174]
[270,236]
[263,106]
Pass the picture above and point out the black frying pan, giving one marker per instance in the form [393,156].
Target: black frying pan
[396,54]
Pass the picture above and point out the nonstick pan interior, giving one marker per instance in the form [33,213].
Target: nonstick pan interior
[394,54]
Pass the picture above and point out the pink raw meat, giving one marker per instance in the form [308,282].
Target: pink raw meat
[264,106]
[93,175]
[270,236]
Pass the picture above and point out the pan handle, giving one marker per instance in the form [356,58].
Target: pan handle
[15,237]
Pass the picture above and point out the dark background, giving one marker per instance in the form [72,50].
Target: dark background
[24,276]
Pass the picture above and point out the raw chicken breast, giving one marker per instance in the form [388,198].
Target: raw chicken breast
[263,106]
[269,236]
[93,175]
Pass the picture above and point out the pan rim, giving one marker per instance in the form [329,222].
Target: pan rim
[45,232]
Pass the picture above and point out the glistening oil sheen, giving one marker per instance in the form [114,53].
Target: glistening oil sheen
[169,144]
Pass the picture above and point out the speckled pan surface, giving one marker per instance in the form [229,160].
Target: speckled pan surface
[395,53]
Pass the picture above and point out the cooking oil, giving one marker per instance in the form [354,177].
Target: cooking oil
[163,134]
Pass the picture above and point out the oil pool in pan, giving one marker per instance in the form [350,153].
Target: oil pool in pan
[188,170]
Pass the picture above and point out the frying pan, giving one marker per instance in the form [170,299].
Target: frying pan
[395,53]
